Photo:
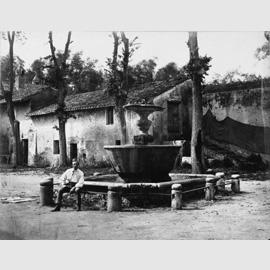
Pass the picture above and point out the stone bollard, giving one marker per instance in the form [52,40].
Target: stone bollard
[235,186]
[221,181]
[176,197]
[46,191]
[114,200]
[210,189]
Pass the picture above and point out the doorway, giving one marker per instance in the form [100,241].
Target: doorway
[25,151]
[73,151]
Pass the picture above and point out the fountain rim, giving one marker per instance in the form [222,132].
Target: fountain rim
[136,146]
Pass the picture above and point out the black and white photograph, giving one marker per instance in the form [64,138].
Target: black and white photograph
[123,134]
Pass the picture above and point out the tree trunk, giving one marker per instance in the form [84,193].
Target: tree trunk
[61,70]
[62,125]
[10,107]
[124,88]
[123,126]
[62,118]
[119,95]
[15,134]
[62,140]
[197,136]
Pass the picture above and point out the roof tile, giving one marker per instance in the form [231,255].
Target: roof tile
[24,93]
[100,99]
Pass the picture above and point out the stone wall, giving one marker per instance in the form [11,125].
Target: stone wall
[250,106]
[246,106]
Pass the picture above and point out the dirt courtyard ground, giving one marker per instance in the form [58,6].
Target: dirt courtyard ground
[236,216]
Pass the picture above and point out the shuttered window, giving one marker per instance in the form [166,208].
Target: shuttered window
[56,149]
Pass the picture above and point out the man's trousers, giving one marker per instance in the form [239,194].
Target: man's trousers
[66,189]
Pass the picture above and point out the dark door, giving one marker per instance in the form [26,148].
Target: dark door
[73,151]
[25,151]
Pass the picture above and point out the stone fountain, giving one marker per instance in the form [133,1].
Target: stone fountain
[140,161]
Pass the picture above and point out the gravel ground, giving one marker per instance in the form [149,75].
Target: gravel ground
[234,216]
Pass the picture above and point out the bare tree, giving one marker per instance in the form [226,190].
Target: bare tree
[118,77]
[8,94]
[61,70]
[197,68]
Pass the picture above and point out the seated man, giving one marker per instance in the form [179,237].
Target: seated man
[72,182]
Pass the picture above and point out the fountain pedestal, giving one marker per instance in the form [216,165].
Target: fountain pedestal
[143,110]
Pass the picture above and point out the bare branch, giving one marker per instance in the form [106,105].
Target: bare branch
[9,37]
[65,56]
[11,60]
[115,50]
[53,50]
[125,61]
[123,36]
[193,45]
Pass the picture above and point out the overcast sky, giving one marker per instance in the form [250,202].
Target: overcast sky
[229,50]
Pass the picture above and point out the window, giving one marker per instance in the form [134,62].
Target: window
[56,147]
[109,116]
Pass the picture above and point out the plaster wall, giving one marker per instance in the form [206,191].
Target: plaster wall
[181,94]
[5,129]
[251,107]
[246,106]
[87,129]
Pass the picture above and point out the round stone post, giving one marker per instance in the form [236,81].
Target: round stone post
[235,185]
[210,189]
[46,191]
[114,200]
[176,197]
[221,181]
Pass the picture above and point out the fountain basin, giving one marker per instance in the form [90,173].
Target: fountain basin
[143,163]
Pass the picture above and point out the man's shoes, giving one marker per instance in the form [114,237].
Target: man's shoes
[56,209]
[78,209]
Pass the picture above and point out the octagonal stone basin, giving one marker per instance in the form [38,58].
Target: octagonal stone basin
[143,163]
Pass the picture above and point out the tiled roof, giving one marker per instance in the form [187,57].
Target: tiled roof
[23,93]
[234,86]
[100,99]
